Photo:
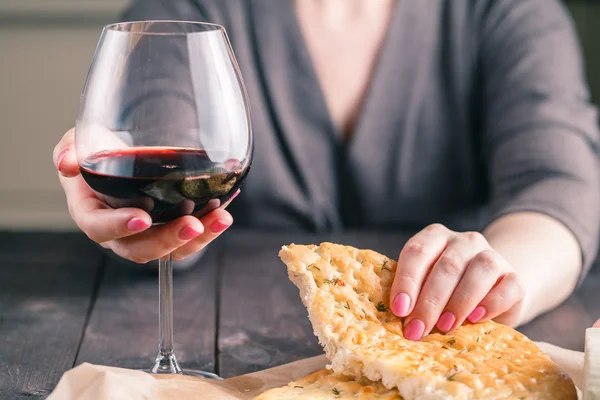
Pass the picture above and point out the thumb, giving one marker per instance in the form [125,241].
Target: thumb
[64,156]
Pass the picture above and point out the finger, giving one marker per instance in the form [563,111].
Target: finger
[416,258]
[158,241]
[597,324]
[499,300]
[216,228]
[215,223]
[97,220]
[480,277]
[64,156]
[510,317]
[439,286]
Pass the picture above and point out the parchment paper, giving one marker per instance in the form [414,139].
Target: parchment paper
[96,382]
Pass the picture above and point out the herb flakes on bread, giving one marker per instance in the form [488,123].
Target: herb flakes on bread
[346,292]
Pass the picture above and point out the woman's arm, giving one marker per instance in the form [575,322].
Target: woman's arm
[545,255]
[540,143]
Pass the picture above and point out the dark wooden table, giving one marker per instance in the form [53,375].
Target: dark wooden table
[63,302]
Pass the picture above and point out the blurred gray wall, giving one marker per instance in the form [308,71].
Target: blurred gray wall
[586,14]
[45,51]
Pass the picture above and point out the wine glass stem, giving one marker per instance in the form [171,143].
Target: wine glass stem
[165,360]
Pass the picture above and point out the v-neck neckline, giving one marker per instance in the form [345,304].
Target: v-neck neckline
[300,43]
[331,171]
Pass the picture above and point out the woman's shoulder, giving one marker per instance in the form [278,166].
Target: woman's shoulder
[509,14]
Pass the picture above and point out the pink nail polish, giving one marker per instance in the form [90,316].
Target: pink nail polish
[477,314]
[446,321]
[401,304]
[414,330]
[188,233]
[61,155]
[137,224]
[219,226]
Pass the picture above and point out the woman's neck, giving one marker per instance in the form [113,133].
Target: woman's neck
[343,38]
[339,13]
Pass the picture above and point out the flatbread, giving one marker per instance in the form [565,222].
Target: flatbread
[326,385]
[346,292]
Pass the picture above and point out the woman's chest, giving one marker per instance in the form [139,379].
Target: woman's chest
[343,44]
[413,155]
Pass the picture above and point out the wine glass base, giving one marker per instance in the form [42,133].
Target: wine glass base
[185,372]
[202,374]
[166,364]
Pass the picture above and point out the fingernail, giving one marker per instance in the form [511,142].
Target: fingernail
[235,194]
[414,330]
[401,304]
[446,321]
[188,233]
[219,226]
[61,155]
[477,314]
[137,224]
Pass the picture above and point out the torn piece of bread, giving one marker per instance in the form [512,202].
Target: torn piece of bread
[326,385]
[346,292]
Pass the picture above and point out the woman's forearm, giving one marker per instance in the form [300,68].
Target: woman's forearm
[544,253]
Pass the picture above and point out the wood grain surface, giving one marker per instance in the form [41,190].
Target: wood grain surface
[63,302]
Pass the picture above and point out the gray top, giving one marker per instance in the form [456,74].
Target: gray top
[476,109]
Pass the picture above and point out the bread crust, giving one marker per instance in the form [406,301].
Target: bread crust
[346,292]
[324,384]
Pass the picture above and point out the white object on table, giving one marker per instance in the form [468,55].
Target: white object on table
[591,374]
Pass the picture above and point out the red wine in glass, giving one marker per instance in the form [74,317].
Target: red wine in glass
[166,182]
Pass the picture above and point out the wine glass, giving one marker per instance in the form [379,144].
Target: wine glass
[164,125]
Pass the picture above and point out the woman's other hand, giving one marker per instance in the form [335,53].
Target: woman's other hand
[444,278]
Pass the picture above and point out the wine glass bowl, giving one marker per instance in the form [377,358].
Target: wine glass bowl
[164,125]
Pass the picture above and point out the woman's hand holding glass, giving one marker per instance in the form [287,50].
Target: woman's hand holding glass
[128,231]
